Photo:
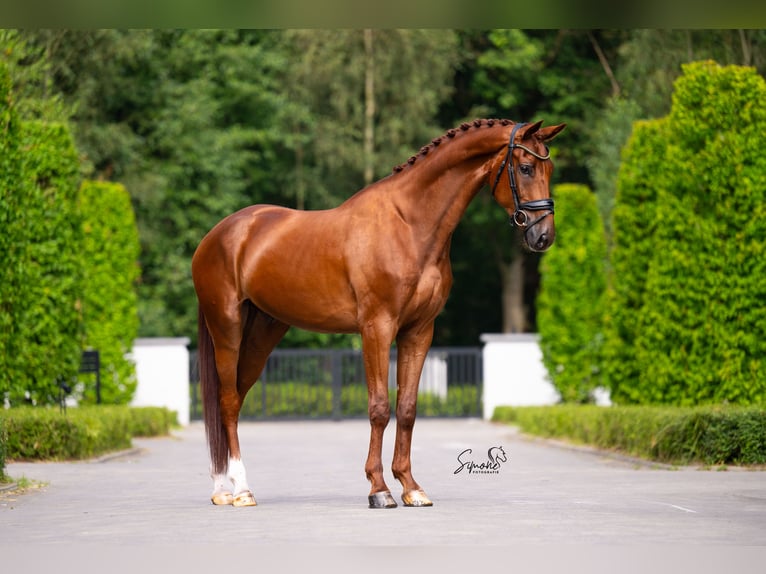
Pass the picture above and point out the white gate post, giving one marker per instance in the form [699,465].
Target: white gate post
[514,374]
[162,370]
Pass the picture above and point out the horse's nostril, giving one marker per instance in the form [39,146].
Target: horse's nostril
[542,242]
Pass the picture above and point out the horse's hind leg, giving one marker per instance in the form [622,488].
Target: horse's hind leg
[260,335]
[226,356]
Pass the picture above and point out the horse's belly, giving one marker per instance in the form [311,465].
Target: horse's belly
[309,317]
[303,298]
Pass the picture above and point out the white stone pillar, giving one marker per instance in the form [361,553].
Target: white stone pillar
[162,370]
[514,374]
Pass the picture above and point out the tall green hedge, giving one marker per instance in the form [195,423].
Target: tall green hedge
[686,322]
[110,253]
[12,230]
[40,273]
[571,301]
[634,224]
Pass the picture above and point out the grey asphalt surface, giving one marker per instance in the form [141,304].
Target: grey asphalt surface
[310,486]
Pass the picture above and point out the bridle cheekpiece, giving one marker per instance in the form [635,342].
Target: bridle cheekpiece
[520,217]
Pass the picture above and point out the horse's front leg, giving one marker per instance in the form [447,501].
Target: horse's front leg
[376,344]
[412,350]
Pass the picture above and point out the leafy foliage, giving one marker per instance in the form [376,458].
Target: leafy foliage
[571,300]
[635,220]
[707,435]
[198,123]
[13,238]
[610,134]
[686,320]
[300,399]
[40,273]
[83,432]
[110,251]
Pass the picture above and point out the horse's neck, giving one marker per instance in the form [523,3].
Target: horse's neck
[433,194]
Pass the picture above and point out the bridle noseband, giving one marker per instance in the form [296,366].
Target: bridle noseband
[520,217]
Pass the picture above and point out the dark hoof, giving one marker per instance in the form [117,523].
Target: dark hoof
[382,500]
[416,498]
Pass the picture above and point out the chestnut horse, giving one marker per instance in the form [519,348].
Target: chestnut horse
[378,265]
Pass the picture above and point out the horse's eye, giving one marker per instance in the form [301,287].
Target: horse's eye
[526,169]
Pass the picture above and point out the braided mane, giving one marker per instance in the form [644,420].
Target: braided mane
[448,136]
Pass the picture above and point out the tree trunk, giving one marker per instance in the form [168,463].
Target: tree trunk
[512,277]
[369,109]
[300,188]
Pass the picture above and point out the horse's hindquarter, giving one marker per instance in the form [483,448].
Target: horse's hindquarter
[293,268]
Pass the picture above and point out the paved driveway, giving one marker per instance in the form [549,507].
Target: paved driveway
[309,481]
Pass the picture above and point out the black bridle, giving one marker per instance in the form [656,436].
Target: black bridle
[520,217]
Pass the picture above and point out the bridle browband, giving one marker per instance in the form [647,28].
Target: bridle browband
[520,217]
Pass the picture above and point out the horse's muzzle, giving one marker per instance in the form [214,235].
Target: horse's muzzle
[539,238]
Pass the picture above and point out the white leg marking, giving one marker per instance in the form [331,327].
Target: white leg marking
[238,476]
[221,488]
[220,483]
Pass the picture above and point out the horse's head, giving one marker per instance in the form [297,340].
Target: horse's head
[525,170]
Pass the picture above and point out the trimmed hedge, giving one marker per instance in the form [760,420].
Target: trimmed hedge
[36,433]
[570,306]
[3,440]
[40,273]
[291,399]
[707,435]
[685,321]
[110,252]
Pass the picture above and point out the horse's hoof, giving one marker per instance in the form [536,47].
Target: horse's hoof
[222,498]
[382,500]
[245,498]
[416,498]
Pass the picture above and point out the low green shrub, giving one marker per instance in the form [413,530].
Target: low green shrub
[3,477]
[151,421]
[707,435]
[293,399]
[39,433]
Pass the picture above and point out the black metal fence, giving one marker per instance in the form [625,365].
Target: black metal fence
[330,383]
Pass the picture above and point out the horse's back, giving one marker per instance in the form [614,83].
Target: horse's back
[289,263]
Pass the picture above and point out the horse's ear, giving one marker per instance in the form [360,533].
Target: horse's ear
[529,129]
[547,134]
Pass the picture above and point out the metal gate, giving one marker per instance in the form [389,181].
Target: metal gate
[330,383]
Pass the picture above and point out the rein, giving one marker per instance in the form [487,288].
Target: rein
[520,217]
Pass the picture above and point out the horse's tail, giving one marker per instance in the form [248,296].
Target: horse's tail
[217,441]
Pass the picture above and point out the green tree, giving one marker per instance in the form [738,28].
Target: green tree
[570,304]
[36,95]
[651,60]
[610,133]
[696,329]
[645,66]
[183,119]
[369,98]
[110,252]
